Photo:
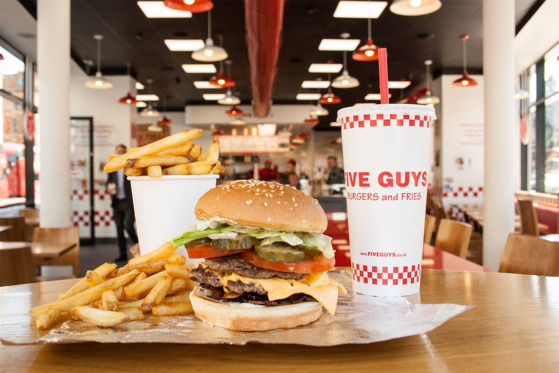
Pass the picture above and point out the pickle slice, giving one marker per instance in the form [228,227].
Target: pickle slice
[279,252]
[241,242]
[197,242]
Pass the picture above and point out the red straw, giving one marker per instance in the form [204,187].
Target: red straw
[383,75]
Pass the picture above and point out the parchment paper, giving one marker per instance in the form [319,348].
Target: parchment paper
[358,319]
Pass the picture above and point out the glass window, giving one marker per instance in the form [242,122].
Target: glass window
[552,144]
[551,68]
[12,160]
[12,71]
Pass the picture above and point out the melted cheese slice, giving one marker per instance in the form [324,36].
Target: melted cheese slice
[317,285]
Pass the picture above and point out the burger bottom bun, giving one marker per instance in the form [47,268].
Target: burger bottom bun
[252,317]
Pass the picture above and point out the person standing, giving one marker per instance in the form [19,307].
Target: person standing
[334,174]
[123,207]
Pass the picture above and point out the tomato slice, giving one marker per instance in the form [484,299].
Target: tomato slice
[207,251]
[309,265]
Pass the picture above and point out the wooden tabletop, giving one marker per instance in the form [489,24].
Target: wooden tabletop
[50,249]
[11,245]
[513,327]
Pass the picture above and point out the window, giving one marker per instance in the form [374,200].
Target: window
[12,70]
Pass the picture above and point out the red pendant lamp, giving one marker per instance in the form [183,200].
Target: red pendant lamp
[330,98]
[1,56]
[369,51]
[464,80]
[311,120]
[164,121]
[128,99]
[193,6]
[234,111]
[221,79]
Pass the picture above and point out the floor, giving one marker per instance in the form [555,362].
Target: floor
[104,250]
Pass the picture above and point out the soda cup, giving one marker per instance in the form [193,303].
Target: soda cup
[386,163]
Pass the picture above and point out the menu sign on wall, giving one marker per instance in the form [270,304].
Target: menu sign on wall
[253,144]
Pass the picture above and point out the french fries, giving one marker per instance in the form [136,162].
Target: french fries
[165,157]
[157,282]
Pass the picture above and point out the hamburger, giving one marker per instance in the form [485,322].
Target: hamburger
[265,257]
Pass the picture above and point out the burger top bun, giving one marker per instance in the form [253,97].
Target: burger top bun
[251,317]
[264,205]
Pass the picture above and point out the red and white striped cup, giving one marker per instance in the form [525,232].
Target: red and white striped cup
[386,163]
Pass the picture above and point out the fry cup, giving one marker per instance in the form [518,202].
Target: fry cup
[386,163]
[164,207]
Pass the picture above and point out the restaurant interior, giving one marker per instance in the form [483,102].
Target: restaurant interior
[265,80]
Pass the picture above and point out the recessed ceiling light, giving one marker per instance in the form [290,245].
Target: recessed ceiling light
[139,86]
[325,68]
[335,124]
[156,9]
[338,44]
[374,96]
[315,84]
[204,84]
[308,96]
[184,45]
[399,84]
[199,68]
[213,96]
[359,9]
[141,104]
[149,97]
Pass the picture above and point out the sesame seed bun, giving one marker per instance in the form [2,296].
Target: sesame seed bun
[262,204]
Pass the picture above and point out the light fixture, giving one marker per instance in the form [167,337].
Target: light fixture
[315,84]
[234,111]
[199,68]
[302,136]
[398,84]
[414,7]
[368,52]
[141,104]
[311,120]
[128,99]
[210,53]
[149,111]
[359,9]
[319,111]
[229,99]
[164,121]
[204,84]
[345,80]
[325,68]
[193,6]
[308,96]
[373,97]
[330,98]
[428,98]
[157,9]
[184,45]
[338,44]
[464,80]
[154,128]
[266,129]
[217,133]
[147,97]
[213,96]
[221,79]
[335,124]
[238,121]
[99,82]
[139,86]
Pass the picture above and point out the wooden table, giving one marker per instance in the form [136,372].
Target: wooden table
[5,228]
[50,250]
[475,215]
[434,258]
[513,327]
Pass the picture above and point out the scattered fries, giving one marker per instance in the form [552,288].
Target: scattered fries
[172,155]
[106,297]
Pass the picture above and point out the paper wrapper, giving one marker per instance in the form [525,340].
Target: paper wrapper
[358,319]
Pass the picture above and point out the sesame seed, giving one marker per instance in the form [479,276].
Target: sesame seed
[269,220]
[279,202]
[266,204]
[293,199]
[256,194]
[304,221]
[296,205]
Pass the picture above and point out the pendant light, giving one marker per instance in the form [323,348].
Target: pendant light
[329,97]
[128,99]
[238,121]
[229,99]
[99,82]
[345,80]
[368,52]
[464,80]
[154,128]
[164,121]
[428,98]
[149,111]
[234,111]
[192,6]
[319,111]
[221,79]
[311,120]
[415,7]
[210,53]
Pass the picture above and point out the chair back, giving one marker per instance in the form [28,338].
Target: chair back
[528,218]
[17,232]
[429,228]
[16,266]
[531,255]
[454,237]
[29,213]
[61,235]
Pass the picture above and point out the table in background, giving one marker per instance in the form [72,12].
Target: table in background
[513,327]
[473,214]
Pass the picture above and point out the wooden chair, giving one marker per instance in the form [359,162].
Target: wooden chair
[60,235]
[31,217]
[527,254]
[16,266]
[17,232]
[528,218]
[454,237]
[429,228]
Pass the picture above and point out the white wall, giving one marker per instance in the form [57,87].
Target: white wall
[461,129]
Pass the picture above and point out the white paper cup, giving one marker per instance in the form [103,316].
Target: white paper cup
[386,163]
[164,207]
